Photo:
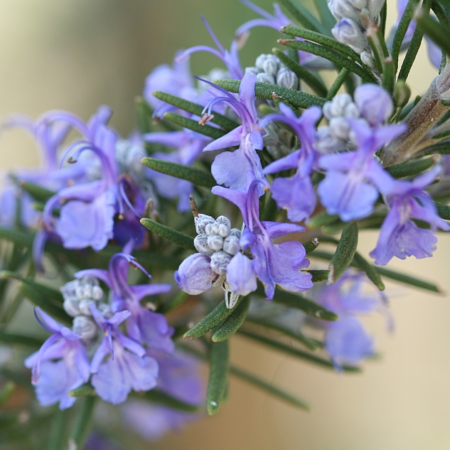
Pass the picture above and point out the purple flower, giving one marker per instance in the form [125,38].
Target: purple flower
[296,194]
[143,326]
[374,103]
[195,275]
[230,58]
[230,168]
[399,235]
[272,263]
[126,366]
[346,340]
[353,179]
[60,365]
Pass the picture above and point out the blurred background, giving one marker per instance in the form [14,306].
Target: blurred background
[78,54]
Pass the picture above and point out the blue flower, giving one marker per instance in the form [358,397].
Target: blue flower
[354,179]
[399,235]
[143,326]
[296,194]
[60,365]
[230,168]
[272,263]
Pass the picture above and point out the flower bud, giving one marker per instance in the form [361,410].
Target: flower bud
[195,274]
[106,311]
[85,327]
[72,306]
[223,230]
[84,306]
[201,222]
[339,127]
[215,242]
[351,111]
[231,245]
[223,220]
[97,293]
[201,244]
[241,277]
[265,78]
[235,232]
[368,59]
[374,103]
[219,262]
[336,107]
[252,70]
[286,78]
[348,32]
[260,61]
[270,65]
[326,142]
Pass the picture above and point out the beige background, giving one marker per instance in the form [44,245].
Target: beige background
[77,54]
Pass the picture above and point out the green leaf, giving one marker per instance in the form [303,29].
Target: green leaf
[321,39]
[279,346]
[59,424]
[414,46]
[83,422]
[161,398]
[269,388]
[338,82]
[19,339]
[39,193]
[388,273]
[436,31]
[181,239]
[214,318]
[193,125]
[194,108]
[301,14]
[309,78]
[6,392]
[337,58]
[319,275]
[325,15]
[442,148]
[345,252]
[17,236]
[218,376]
[311,245]
[312,344]
[298,302]
[402,27]
[175,301]
[443,210]
[233,322]
[82,391]
[196,176]
[370,271]
[265,90]
[411,168]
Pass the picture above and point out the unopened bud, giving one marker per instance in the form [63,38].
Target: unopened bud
[340,127]
[368,59]
[235,232]
[215,242]
[201,221]
[348,32]
[270,65]
[201,244]
[224,220]
[72,306]
[286,78]
[265,78]
[336,107]
[219,262]
[84,306]
[85,327]
[231,245]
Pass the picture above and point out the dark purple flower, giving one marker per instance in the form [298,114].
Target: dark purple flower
[296,194]
[60,365]
[143,326]
[272,263]
[354,179]
[230,168]
[399,235]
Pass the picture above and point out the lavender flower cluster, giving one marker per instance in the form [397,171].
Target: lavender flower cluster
[293,164]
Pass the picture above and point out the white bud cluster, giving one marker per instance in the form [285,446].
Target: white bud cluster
[337,135]
[128,157]
[268,69]
[354,17]
[78,295]
[217,239]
